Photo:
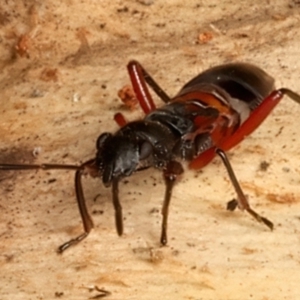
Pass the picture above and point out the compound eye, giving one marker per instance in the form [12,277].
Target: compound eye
[145,150]
[101,139]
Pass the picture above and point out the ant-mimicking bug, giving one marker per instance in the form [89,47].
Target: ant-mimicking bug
[211,114]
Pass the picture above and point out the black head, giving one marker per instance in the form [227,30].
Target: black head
[117,157]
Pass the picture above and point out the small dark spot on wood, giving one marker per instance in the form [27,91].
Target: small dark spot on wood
[9,258]
[154,210]
[98,212]
[123,9]
[58,294]
[264,165]
[4,18]
[240,35]
[232,205]
[102,293]
[146,2]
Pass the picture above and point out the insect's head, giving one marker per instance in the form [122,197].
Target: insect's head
[118,156]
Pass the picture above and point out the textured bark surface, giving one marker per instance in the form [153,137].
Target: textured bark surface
[62,65]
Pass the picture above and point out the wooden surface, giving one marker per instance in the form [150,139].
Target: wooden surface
[62,64]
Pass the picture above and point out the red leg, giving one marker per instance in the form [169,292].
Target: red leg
[120,119]
[139,77]
[218,133]
[203,159]
[140,87]
[257,117]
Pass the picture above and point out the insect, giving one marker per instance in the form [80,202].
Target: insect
[211,114]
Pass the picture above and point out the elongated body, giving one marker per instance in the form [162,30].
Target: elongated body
[206,111]
[211,113]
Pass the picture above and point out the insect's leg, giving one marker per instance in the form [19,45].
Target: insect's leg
[15,167]
[139,77]
[85,216]
[203,159]
[294,96]
[120,119]
[258,116]
[89,167]
[241,201]
[171,172]
[117,206]
[86,219]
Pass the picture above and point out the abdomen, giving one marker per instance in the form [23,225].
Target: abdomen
[245,82]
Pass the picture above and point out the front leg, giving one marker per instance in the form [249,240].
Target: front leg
[117,206]
[170,173]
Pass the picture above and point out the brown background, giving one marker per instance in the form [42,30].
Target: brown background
[62,64]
